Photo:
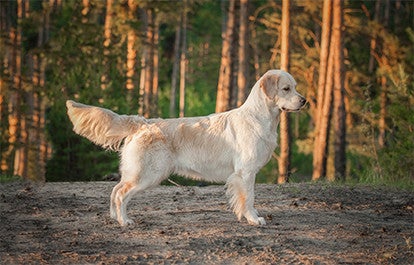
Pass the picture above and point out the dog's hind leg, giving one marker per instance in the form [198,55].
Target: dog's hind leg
[113,207]
[145,162]
[122,194]
[114,198]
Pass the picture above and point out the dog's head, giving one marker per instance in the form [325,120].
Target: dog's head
[280,88]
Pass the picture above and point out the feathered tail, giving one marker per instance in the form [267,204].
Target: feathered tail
[102,126]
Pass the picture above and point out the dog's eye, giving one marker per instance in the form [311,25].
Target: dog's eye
[286,88]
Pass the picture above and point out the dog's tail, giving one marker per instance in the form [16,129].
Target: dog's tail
[102,126]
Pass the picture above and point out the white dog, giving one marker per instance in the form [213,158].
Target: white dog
[226,147]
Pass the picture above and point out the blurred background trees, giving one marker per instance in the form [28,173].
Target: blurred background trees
[353,60]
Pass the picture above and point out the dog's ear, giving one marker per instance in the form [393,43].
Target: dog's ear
[269,85]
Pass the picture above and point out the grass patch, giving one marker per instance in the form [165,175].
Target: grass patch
[9,178]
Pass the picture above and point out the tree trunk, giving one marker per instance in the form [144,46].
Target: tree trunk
[285,137]
[321,145]
[131,54]
[6,67]
[17,123]
[255,51]
[339,106]
[141,97]
[224,81]
[174,75]
[147,63]
[373,43]
[44,149]
[155,65]
[243,41]
[383,112]
[383,90]
[107,44]
[183,61]
[85,10]
[323,97]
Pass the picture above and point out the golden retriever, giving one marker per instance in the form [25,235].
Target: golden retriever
[226,147]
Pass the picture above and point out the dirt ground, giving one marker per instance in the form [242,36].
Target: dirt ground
[69,223]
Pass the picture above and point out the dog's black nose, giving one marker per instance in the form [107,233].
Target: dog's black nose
[303,101]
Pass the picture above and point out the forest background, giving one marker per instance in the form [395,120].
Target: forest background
[353,60]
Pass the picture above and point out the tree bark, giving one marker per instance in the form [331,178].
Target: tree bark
[131,53]
[285,135]
[255,51]
[243,40]
[339,106]
[373,42]
[107,44]
[382,124]
[383,112]
[17,123]
[183,62]
[6,68]
[224,81]
[147,64]
[176,67]
[323,96]
[85,10]
[155,64]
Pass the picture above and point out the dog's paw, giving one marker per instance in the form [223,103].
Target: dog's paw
[126,222]
[114,215]
[261,221]
[256,221]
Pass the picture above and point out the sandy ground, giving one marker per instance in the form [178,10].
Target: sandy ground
[69,223]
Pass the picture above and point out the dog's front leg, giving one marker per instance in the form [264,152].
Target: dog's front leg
[240,188]
[250,212]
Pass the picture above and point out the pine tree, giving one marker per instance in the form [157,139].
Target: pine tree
[225,73]
[285,134]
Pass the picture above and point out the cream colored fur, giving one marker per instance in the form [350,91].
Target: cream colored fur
[226,147]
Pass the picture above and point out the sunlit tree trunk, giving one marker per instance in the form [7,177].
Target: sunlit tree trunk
[285,137]
[107,44]
[7,69]
[255,50]
[323,96]
[85,10]
[131,52]
[382,125]
[155,64]
[242,72]
[183,61]
[373,42]
[17,123]
[141,104]
[225,73]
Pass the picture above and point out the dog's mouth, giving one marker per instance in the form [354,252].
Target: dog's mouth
[294,110]
[290,110]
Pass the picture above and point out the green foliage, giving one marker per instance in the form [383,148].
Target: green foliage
[397,157]
[8,178]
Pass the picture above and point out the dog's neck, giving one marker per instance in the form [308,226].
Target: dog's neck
[258,103]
